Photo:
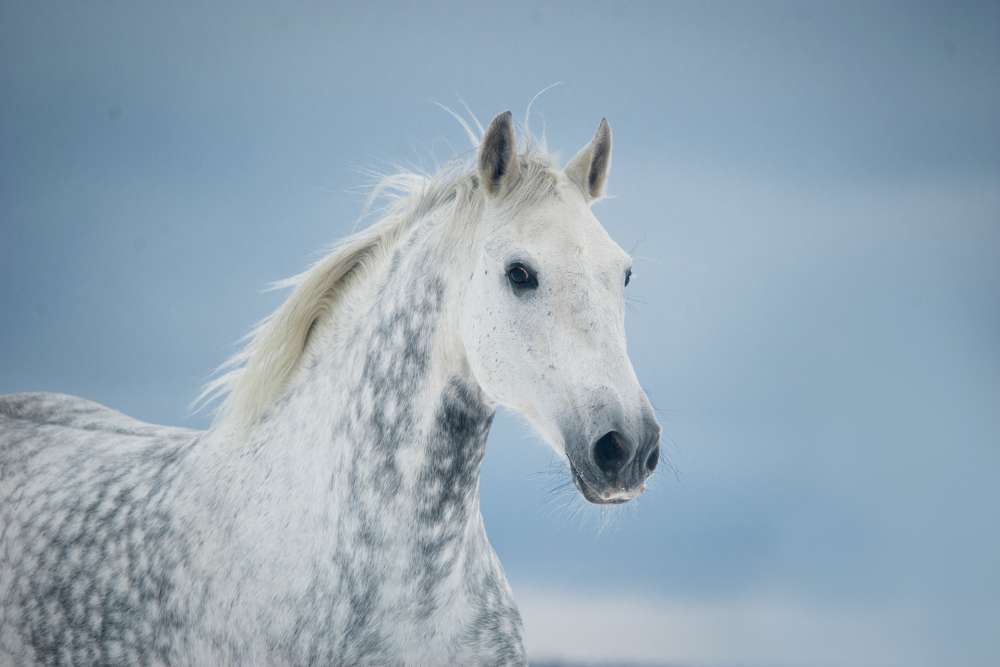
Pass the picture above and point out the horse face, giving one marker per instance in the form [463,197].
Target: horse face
[543,322]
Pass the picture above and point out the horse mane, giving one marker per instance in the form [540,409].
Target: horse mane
[249,381]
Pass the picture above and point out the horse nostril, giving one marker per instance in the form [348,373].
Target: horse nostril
[610,452]
[653,459]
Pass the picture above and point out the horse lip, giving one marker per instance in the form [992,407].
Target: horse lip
[589,494]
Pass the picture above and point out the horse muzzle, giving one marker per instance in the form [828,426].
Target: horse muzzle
[615,469]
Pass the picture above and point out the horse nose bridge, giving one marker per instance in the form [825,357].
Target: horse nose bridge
[589,322]
[630,397]
[604,396]
[605,377]
[601,359]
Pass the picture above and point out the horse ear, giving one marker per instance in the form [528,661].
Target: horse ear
[589,168]
[498,156]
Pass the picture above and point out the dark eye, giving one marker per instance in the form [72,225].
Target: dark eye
[521,277]
[628,276]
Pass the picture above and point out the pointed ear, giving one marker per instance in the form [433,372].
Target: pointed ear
[589,169]
[498,156]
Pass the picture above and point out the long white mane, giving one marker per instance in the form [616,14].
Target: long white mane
[251,379]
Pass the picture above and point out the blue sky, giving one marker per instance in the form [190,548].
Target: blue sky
[812,194]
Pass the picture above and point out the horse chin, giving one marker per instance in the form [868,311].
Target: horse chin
[589,494]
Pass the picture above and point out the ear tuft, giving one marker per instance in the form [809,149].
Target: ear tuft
[498,165]
[589,168]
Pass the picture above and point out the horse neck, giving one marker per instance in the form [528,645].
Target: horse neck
[378,439]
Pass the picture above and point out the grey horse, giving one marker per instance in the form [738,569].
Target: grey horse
[330,514]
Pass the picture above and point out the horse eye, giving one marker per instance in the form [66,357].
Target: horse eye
[521,277]
[628,276]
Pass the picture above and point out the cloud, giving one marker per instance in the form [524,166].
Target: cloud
[575,627]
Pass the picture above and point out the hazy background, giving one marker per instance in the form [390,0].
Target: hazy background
[812,193]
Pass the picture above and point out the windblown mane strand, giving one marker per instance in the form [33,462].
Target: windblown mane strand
[256,375]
